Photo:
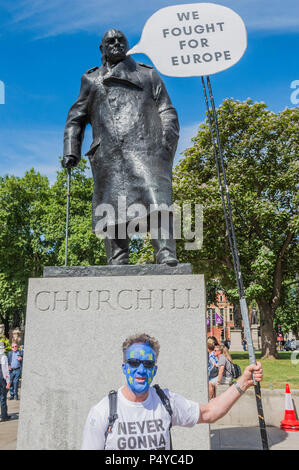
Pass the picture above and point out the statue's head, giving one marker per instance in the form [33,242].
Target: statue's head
[114,46]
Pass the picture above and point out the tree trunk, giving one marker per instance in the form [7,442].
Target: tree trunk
[5,322]
[16,319]
[237,316]
[268,334]
[267,309]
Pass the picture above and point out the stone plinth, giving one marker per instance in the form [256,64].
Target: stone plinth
[121,270]
[236,340]
[255,337]
[75,327]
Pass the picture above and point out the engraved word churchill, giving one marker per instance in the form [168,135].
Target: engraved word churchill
[115,300]
[135,132]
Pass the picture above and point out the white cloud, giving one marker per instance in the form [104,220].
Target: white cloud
[23,149]
[67,16]
[50,18]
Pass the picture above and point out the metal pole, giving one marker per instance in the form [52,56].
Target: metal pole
[67,214]
[234,250]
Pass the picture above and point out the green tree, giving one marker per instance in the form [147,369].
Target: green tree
[32,235]
[23,247]
[287,314]
[84,248]
[260,151]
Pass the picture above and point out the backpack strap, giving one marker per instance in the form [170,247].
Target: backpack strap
[112,412]
[166,403]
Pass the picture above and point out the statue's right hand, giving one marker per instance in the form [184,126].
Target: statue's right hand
[69,161]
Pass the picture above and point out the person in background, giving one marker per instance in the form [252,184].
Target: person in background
[15,358]
[227,353]
[225,375]
[214,339]
[212,367]
[226,345]
[4,383]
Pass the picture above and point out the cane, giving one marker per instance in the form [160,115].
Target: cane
[67,214]
[234,250]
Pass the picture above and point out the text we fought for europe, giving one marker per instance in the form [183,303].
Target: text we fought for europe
[182,32]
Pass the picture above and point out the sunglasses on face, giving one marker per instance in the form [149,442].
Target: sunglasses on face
[136,363]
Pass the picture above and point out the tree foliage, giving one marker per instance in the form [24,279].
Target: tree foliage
[260,152]
[23,248]
[85,249]
[32,235]
[287,314]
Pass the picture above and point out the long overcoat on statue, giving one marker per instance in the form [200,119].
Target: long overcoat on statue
[135,131]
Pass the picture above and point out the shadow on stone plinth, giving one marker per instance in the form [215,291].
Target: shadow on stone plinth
[117,270]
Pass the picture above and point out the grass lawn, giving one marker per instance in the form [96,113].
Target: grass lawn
[276,372]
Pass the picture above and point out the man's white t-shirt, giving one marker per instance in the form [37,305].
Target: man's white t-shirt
[140,425]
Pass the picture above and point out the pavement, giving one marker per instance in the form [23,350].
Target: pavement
[249,438]
[222,437]
[9,429]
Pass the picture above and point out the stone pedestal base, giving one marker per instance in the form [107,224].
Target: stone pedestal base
[255,337]
[235,338]
[75,327]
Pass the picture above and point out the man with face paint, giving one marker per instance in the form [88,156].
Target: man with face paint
[142,421]
[140,370]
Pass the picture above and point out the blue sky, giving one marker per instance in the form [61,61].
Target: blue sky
[46,45]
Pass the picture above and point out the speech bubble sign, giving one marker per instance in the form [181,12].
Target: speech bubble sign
[195,39]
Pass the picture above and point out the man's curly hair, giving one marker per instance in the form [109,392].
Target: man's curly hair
[142,338]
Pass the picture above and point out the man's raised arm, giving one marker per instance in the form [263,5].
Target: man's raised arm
[219,406]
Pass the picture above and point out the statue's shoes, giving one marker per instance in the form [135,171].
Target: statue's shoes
[170,261]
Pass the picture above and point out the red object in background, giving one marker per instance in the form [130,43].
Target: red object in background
[289,423]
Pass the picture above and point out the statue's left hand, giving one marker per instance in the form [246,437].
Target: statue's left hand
[69,161]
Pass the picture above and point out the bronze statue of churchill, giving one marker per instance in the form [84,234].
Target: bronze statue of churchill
[135,132]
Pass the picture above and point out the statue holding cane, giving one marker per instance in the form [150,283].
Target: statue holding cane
[67,213]
[135,133]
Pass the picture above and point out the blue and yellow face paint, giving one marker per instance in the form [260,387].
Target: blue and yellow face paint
[139,378]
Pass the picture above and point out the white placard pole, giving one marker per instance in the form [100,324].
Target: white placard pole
[201,39]
[233,246]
